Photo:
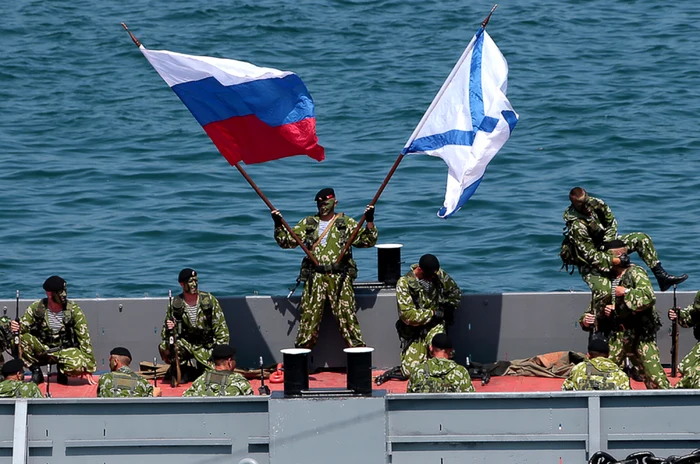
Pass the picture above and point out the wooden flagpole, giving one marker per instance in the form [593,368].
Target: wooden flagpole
[252,184]
[410,140]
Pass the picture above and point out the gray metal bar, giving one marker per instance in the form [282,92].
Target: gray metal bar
[149,442]
[654,436]
[547,437]
[594,431]
[19,445]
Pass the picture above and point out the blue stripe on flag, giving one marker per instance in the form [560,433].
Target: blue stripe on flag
[466,195]
[510,118]
[276,101]
[476,92]
[434,142]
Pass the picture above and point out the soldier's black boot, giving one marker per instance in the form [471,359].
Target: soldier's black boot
[37,375]
[61,378]
[665,279]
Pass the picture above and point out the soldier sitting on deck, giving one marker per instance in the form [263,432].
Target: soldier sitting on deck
[14,385]
[122,381]
[597,372]
[222,381]
[440,374]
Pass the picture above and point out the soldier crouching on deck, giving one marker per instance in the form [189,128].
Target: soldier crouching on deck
[325,235]
[121,381]
[627,315]
[200,324]
[54,330]
[689,367]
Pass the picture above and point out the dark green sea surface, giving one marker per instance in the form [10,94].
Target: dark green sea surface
[107,180]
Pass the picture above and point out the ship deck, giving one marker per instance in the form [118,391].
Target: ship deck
[79,388]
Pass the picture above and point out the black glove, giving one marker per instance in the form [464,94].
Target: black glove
[369,214]
[438,314]
[277,217]
[625,260]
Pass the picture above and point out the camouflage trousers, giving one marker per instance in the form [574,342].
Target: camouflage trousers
[317,290]
[186,351]
[71,361]
[600,283]
[644,355]
[689,369]
[415,352]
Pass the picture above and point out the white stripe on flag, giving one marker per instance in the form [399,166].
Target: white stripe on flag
[469,120]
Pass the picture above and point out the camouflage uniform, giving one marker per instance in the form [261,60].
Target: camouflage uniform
[196,341]
[123,383]
[588,233]
[19,389]
[439,375]
[690,365]
[417,325]
[329,283]
[75,355]
[219,383]
[597,374]
[632,327]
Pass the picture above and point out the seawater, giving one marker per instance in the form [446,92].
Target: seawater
[107,180]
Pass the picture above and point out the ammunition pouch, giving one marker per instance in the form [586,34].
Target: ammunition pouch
[123,383]
[219,378]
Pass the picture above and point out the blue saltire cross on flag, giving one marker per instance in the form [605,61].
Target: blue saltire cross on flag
[469,120]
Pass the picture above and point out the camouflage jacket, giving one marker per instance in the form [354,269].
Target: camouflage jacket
[336,238]
[219,383]
[635,311]
[123,383]
[597,374]
[74,332]
[588,233]
[19,389]
[690,315]
[210,326]
[440,375]
[416,306]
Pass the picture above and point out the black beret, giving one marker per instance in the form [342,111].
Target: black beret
[324,194]
[121,351]
[223,352]
[614,244]
[12,366]
[599,345]
[441,341]
[54,284]
[185,274]
[429,263]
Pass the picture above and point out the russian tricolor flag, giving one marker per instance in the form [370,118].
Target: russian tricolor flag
[251,114]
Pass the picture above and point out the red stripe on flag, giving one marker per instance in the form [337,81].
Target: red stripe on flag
[247,139]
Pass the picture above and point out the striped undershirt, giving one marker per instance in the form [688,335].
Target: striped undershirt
[191,313]
[55,321]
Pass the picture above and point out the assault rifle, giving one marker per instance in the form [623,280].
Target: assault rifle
[48,381]
[175,374]
[674,338]
[263,389]
[15,347]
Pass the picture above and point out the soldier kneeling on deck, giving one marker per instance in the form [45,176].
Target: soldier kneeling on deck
[122,381]
[222,381]
[597,372]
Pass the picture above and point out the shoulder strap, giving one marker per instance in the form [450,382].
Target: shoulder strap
[325,232]
[216,378]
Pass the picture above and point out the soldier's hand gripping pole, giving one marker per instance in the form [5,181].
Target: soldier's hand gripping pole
[674,337]
[16,352]
[264,389]
[175,374]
